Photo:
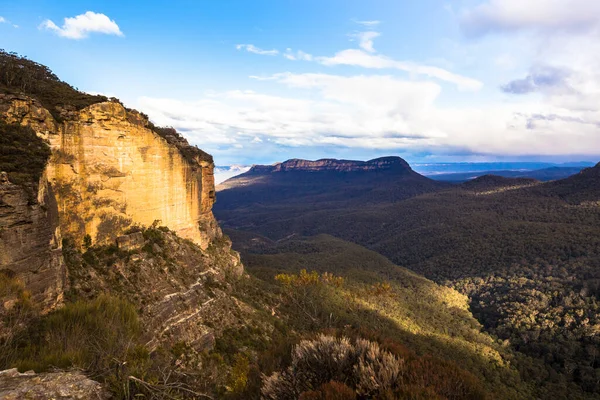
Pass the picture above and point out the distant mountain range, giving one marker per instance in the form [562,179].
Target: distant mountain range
[457,172]
[477,168]
[544,174]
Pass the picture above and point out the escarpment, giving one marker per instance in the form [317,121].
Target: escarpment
[30,237]
[30,240]
[107,170]
[110,170]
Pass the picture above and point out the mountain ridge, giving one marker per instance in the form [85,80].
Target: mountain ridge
[332,164]
[327,182]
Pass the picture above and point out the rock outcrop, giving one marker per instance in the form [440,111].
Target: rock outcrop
[110,169]
[182,293]
[55,385]
[30,239]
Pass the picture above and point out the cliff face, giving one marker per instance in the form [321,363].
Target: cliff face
[110,170]
[30,241]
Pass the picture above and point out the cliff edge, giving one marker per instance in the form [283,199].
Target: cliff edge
[110,170]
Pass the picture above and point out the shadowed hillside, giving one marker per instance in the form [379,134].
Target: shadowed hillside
[325,184]
[527,254]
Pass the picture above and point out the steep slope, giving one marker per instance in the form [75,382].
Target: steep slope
[110,258]
[175,285]
[89,171]
[579,188]
[400,305]
[30,237]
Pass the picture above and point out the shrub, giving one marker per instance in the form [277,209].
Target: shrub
[87,241]
[16,312]
[361,365]
[238,377]
[330,391]
[318,366]
[86,334]
[306,293]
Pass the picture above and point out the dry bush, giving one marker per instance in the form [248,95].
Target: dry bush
[361,365]
[330,391]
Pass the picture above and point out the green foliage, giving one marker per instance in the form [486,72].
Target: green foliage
[16,313]
[411,314]
[23,155]
[543,311]
[87,241]
[191,153]
[238,377]
[20,75]
[305,278]
[102,337]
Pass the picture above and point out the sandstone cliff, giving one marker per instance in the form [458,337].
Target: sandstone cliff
[110,170]
[30,240]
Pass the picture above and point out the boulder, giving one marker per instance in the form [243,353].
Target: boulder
[53,385]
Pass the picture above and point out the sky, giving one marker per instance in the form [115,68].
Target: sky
[256,82]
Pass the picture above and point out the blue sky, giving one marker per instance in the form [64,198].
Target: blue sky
[264,81]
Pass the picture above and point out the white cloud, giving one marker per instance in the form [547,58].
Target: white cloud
[362,59]
[298,55]
[5,21]
[370,23]
[365,40]
[80,26]
[515,15]
[222,173]
[253,49]
[366,58]
[374,112]
[359,111]
[376,91]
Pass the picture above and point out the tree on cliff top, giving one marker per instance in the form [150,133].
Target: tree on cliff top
[18,75]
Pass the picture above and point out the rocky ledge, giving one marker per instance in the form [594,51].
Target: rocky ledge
[54,385]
